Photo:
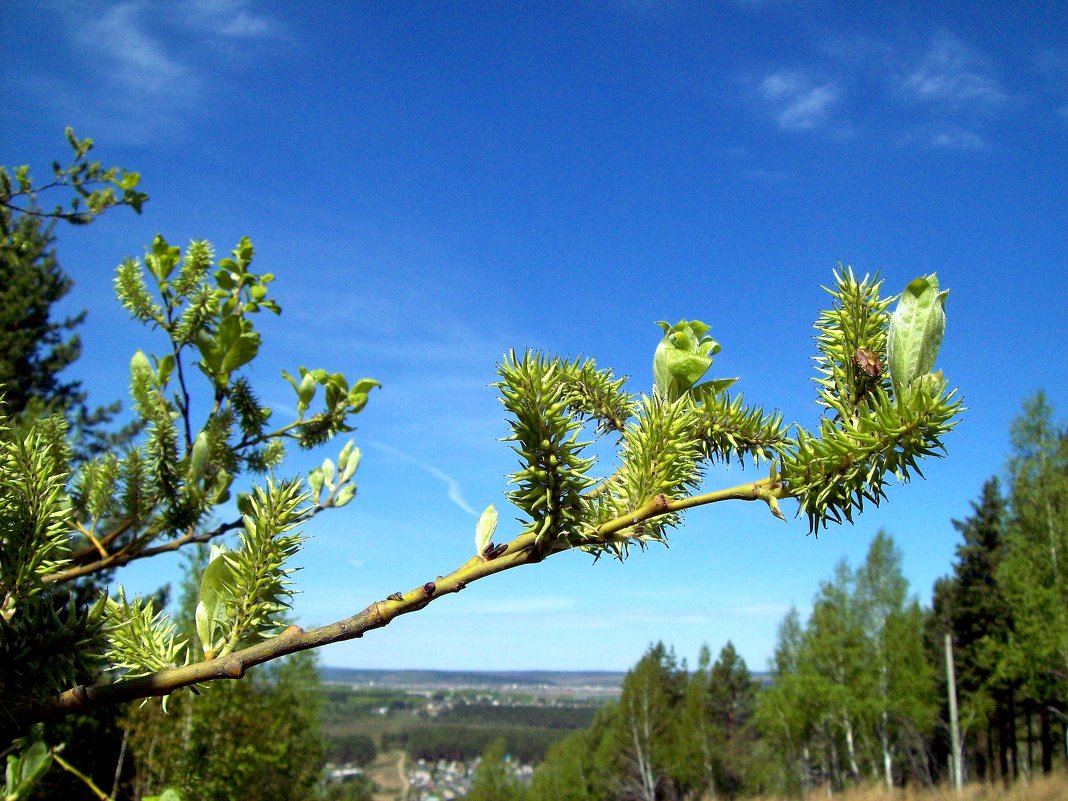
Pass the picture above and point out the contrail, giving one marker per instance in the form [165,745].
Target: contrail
[451,484]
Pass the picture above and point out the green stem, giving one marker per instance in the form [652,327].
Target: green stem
[100,794]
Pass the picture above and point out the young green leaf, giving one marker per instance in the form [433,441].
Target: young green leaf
[915,336]
[487,524]
[211,613]
[683,357]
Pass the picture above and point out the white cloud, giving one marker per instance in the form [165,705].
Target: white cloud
[954,77]
[136,61]
[451,484]
[797,102]
[148,68]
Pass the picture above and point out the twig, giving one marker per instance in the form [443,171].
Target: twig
[100,794]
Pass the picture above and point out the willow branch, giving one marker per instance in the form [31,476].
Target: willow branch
[87,554]
[135,550]
[520,551]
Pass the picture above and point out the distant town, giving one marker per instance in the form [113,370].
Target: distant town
[418,735]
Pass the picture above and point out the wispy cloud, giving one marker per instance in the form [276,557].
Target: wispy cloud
[952,76]
[797,102]
[451,484]
[160,66]
[231,18]
[137,62]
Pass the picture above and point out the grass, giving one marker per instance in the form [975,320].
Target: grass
[1044,788]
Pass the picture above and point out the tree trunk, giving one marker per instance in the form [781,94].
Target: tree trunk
[991,765]
[888,767]
[851,748]
[1030,741]
[836,765]
[1045,736]
[1003,743]
[1014,749]
[806,773]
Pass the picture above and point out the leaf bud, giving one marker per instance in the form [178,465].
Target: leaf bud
[346,494]
[198,459]
[915,336]
[328,474]
[487,525]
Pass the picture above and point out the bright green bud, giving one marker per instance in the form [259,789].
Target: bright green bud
[915,336]
[487,524]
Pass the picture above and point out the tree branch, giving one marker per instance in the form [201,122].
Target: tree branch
[521,550]
[130,552]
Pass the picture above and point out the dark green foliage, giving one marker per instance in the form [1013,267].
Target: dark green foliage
[351,749]
[439,740]
[979,615]
[358,788]
[34,349]
[731,702]
[542,717]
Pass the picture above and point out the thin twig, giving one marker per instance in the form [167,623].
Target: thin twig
[100,794]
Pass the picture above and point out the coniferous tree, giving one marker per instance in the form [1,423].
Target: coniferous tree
[981,622]
[731,705]
[698,743]
[784,717]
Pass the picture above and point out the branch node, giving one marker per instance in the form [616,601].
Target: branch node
[429,589]
[292,632]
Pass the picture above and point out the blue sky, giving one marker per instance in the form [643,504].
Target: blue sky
[435,183]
